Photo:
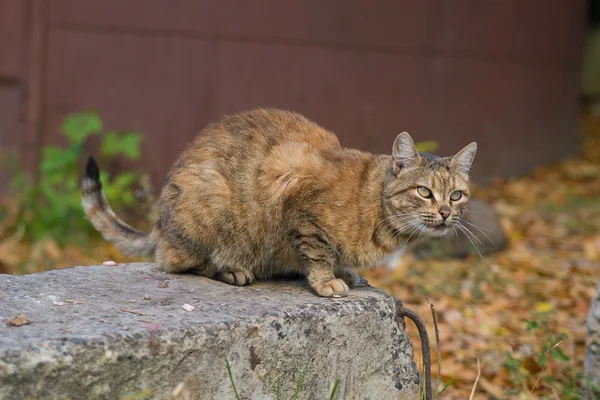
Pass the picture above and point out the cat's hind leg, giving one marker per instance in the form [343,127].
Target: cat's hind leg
[176,260]
[237,278]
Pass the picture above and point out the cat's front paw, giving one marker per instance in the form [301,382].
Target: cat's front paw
[332,288]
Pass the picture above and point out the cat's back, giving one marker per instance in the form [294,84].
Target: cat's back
[242,147]
[261,130]
[249,152]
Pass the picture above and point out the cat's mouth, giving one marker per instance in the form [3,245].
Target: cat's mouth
[438,230]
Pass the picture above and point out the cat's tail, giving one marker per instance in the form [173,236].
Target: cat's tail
[127,239]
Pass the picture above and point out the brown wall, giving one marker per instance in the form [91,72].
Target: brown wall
[504,73]
[12,22]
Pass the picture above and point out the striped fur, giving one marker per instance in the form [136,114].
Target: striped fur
[127,239]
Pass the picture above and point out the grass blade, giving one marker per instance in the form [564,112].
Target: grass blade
[237,396]
[279,388]
[335,386]
[300,384]
[446,386]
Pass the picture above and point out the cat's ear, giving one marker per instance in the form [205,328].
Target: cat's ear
[404,152]
[463,159]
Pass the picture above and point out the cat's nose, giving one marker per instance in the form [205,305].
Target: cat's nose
[445,212]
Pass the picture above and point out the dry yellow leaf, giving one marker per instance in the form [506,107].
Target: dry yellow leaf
[543,307]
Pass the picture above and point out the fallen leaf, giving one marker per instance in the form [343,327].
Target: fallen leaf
[74,301]
[543,307]
[153,327]
[531,365]
[188,307]
[491,388]
[18,320]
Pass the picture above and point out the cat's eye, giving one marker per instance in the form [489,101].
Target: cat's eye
[456,195]
[423,191]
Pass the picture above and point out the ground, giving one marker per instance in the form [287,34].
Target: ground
[520,312]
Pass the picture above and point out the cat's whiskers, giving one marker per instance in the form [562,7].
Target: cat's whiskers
[479,229]
[470,234]
[395,218]
[455,232]
[407,229]
[423,226]
[460,224]
[417,225]
[390,229]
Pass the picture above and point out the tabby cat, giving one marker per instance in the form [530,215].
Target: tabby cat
[268,193]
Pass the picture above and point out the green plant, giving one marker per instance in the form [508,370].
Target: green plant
[545,363]
[237,396]
[427,146]
[51,205]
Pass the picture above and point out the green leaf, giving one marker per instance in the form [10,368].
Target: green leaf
[78,127]
[110,144]
[118,190]
[558,355]
[125,143]
[58,161]
[427,146]
[532,325]
[53,158]
[543,359]
[128,199]
[131,142]
[124,180]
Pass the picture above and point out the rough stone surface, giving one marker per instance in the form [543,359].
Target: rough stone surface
[592,359]
[267,331]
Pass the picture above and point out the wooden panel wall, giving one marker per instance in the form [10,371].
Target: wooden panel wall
[504,73]
[12,45]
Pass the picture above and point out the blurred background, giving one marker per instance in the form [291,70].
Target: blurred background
[134,81]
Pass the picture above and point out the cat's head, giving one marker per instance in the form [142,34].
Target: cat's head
[425,195]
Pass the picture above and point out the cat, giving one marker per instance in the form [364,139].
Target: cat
[267,193]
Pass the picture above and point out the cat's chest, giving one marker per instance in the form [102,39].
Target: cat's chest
[362,255]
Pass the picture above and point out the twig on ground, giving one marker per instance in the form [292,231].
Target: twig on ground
[437,346]
[476,380]
[148,321]
[133,312]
